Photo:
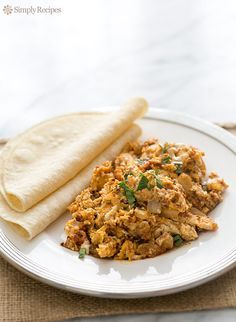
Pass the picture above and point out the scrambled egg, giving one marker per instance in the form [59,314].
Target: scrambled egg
[150,199]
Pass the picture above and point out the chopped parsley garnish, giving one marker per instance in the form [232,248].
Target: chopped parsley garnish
[177,240]
[166,160]
[179,169]
[82,253]
[158,182]
[143,183]
[127,174]
[165,148]
[179,166]
[128,192]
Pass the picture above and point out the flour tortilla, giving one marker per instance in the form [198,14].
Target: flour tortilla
[35,220]
[44,158]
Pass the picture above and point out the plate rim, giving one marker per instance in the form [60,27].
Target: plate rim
[221,267]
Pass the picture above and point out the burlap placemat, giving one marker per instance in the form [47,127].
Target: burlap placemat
[23,299]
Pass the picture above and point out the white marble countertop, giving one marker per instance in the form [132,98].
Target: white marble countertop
[179,54]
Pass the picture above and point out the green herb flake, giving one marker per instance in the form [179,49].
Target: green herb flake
[166,160]
[179,169]
[143,183]
[177,240]
[159,182]
[128,192]
[127,174]
[179,166]
[165,148]
[82,253]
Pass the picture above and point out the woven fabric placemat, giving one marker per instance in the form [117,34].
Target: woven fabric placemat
[23,299]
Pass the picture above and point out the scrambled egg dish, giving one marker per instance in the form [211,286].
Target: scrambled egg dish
[150,199]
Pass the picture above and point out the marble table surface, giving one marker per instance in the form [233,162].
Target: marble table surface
[179,54]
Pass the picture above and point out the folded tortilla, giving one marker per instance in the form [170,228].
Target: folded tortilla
[41,160]
[36,219]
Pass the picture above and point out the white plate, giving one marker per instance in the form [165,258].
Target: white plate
[193,264]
